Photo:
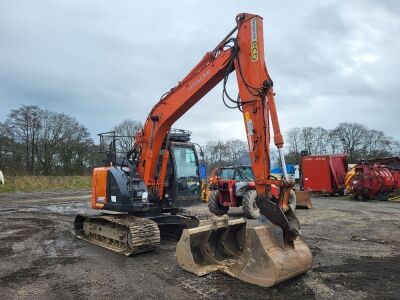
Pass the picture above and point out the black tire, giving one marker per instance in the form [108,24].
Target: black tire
[214,206]
[250,208]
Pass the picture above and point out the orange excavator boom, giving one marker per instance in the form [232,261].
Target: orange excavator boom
[243,54]
[256,97]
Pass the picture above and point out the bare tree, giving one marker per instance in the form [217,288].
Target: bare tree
[314,140]
[126,130]
[215,153]
[237,151]
[333,142]
[11,152]
[220,153]
[58,131]
[395,148]
[378,145]
[25,124]
[76,155]
[352,138]
[307,139]
[320,140]
[293,140]
[4,150]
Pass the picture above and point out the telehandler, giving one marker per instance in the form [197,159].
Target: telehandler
[141,188]
[234,186]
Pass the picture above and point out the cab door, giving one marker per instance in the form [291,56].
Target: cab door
[187,189]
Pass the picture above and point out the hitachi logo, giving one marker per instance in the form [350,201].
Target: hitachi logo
[199,80]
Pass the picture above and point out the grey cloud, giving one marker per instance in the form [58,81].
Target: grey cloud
[103,62]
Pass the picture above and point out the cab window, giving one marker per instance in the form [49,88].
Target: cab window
[187,173]
[185,162]
[247,173]
[226,174]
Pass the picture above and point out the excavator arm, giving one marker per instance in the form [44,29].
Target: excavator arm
[243,54]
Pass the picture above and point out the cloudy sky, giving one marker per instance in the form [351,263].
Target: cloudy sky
[105,61]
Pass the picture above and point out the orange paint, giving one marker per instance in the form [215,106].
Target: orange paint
[99,187]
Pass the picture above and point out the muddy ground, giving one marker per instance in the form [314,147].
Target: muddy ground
[356,248]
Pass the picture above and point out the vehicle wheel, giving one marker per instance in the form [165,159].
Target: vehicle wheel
[292,200]
[214,206]
[250,208]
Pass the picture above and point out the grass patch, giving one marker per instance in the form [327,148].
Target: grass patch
[15,184]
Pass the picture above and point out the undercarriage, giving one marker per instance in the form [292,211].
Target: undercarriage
[130,234]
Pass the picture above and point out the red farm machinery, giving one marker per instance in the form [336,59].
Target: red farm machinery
[376,178]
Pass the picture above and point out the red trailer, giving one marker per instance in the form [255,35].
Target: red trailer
[324,173]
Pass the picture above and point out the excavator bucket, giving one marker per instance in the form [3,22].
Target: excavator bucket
[257,255]
[303,199]
[215,244]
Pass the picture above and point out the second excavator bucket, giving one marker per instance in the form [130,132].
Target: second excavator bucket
[303,199]
[257,255]
[267,260]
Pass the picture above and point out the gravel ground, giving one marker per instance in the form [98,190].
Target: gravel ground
[355,247]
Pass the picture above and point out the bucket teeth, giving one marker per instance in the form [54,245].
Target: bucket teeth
[257,255]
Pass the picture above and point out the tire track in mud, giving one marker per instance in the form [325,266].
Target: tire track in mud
[39,257]
[34,245]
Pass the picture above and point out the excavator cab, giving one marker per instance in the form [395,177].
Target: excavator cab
[183,181]
[126,192]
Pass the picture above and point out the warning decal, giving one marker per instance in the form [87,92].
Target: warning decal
[254,45]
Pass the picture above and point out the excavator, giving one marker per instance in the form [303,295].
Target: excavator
[135,196]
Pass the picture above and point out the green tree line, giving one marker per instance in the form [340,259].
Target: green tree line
[34,141]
